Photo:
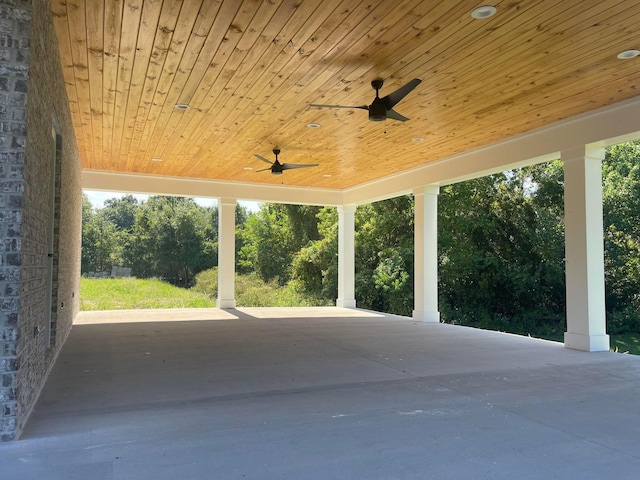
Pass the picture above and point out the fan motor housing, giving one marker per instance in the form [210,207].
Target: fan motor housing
[377,112]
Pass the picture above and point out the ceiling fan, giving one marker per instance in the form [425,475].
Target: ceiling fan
[277,168]
[382,108]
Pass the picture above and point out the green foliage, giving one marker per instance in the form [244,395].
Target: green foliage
[384,256]
[121,212]
[101,241]
[132,293]
[167,237]
[315,266]
[179,234]
[501,252]
[272,237]
[207,282]
[621,206]
[252,291]
[626,343]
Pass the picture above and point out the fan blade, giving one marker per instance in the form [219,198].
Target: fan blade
[260,157]
[263,169]
[391,113]
[317,105]
[289,166]
[393,98]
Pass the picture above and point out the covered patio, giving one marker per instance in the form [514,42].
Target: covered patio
[188,98]
[319,393]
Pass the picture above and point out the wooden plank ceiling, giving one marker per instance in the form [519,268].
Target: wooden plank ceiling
[249,69]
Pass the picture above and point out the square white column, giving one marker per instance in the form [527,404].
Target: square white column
[426,254]
[226,253]
[584,250]
[346,256]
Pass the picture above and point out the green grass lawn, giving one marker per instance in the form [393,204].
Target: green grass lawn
[133,293]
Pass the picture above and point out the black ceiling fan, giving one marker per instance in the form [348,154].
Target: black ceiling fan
[277,168]
[382,108]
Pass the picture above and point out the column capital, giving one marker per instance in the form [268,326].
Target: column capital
[348,207]
[582,152]
[431,189]
[227,201]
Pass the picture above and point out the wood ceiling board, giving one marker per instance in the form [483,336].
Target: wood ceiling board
[131,15]
[111,52]
[164,37]
[79,65]
[59,13]
[187,43]
[242,97]
[249,70]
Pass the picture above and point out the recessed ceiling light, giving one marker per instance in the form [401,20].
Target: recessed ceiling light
[313,125]
[156,159]
[627,54]
[182,106]
[248,168]
[484,11]
[417,139]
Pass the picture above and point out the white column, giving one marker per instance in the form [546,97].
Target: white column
[226,252]
[426,254]
[584,250]
[346,256]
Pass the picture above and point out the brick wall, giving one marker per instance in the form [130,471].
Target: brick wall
[33,104]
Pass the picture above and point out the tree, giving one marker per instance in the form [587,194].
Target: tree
[384,255]
[272,237]
[100,245]
[121,211]
[173,239]
[315,266]
[499,265]
[621,200]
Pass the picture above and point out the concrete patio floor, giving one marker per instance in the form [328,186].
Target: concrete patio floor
[324,393]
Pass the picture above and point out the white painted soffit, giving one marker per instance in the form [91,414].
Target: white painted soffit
[600,128]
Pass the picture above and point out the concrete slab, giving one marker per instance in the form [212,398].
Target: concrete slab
[324,393]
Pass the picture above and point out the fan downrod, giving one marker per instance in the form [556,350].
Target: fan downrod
[378,109]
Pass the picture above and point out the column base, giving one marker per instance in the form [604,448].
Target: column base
[586,343]
[432,316]
[341,302]
[226,303]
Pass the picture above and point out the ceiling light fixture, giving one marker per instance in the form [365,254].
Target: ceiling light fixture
[182,106]
[627,54]
[248,168]
[327,175]
[484,11]
[313,125]
[417,139]
[156,159]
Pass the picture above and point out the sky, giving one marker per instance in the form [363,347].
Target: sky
[97,199]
